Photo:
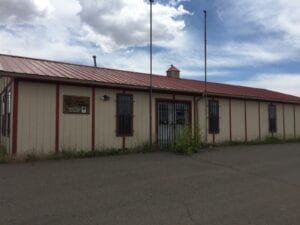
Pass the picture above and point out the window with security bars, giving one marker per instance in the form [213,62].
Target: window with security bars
[272,118]
[5,112]
[124,115]
[213,110]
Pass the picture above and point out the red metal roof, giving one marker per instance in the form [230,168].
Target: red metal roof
[47,69]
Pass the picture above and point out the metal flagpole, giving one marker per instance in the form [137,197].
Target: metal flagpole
[150,92]
[205,74]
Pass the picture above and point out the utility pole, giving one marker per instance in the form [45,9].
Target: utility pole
[205,75]
[150,91]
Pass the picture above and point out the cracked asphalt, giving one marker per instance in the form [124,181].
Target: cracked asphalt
[239,185]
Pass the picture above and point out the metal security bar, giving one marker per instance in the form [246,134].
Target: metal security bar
[172,119]
[124,115]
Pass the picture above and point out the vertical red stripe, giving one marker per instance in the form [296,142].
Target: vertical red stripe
[283,115]
[57,118]
[230,122]
[294,121]
[93,119]
[246,128]
[15,117]
[259,123]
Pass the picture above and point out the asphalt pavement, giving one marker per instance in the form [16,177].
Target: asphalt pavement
[241,185]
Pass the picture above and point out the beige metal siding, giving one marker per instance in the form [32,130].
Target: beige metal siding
[297,114]
[252,120]
[264,120]
[224,134]
[238,120]
[36,118]
[201,119]
[280,125]
[105,119]
[75,129]
[289,120]
[140,120]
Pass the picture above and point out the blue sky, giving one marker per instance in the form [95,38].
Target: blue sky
[250,42]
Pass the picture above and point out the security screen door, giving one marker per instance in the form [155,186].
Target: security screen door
[172,119]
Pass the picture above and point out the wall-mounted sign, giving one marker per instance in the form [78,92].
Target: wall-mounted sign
[76,104]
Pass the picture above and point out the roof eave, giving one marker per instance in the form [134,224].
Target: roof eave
[46,78]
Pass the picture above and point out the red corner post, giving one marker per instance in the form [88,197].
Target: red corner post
[57,118]
[93,119]
[15,117]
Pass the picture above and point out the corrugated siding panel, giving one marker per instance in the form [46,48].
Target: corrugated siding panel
[201,119]
[105,118]
[36,118]
[238,120]
[140,120]
[297,112]
[289,120]
[252,121]
[224,134]
[75,129]
[264,119]
[279,133]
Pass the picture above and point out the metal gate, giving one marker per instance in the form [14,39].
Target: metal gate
[172,118]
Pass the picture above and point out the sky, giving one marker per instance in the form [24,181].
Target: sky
[250,42]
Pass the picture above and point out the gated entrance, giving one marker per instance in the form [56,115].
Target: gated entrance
[172,118]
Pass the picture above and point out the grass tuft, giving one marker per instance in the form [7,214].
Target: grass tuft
[187,142]
[3,155]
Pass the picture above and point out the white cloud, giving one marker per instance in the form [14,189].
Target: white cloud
[177,2]
[77,29]
[271,24]
[121,24]
[286,83]
[61,35]
[238,54]
[19,11]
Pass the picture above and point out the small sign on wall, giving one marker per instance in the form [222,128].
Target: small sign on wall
[76,104]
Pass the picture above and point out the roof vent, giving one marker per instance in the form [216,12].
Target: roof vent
[95,60]
[173,72]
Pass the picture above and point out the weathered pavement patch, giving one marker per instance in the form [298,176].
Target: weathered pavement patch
[233,185]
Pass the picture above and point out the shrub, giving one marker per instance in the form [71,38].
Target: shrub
[187,142]
[272,140]
[31,157]
[3,154]
[145,147]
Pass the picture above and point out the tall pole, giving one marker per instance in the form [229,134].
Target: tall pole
[150,92]
[205,74]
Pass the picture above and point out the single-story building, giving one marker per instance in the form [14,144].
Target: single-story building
[49,106]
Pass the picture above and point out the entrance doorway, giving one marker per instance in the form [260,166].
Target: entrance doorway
[172,118]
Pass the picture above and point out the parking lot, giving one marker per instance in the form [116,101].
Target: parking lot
[238,185]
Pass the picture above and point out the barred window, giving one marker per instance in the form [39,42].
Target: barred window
[5,112]
[213,107]
[272,118]
[124,115]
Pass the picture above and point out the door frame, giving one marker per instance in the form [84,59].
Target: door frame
[167,100]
